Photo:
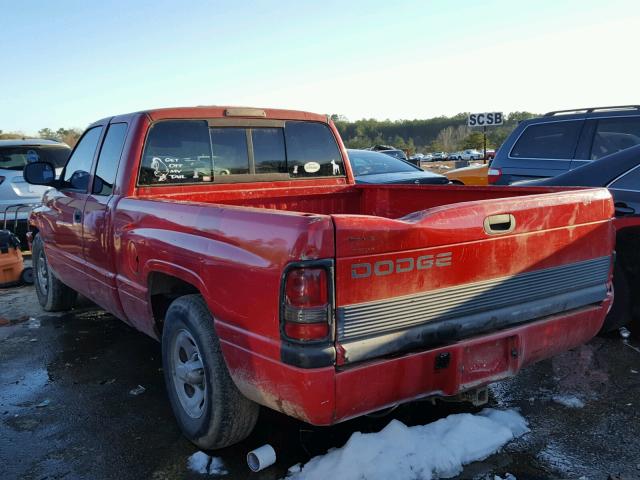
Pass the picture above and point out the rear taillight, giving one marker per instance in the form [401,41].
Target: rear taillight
[306,305]
[494,174]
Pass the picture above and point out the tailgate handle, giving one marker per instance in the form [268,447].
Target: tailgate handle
[499,224]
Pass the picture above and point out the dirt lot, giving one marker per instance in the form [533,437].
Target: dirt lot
[66,410]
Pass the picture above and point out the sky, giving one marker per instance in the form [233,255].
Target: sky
[67,64]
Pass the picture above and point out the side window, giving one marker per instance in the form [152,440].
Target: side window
[176,151]
[555,140]
[109,158]
[268,150]
[76,173]
[230,152]
[615,134]
[312,150]
[630,181]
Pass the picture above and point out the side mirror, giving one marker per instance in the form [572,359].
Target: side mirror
[39,173]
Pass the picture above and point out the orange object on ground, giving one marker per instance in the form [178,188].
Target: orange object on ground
[11,262]
[474,175]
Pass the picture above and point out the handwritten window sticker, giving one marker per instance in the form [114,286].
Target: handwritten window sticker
[295,170]
[336,167]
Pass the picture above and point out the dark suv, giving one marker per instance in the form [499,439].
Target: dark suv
[563,140]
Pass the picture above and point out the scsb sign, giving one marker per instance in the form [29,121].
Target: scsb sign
[487,119]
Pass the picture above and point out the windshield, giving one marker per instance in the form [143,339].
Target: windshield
[15,158]
[365,162]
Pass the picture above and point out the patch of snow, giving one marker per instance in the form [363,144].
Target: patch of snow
[569,401]
[438,449]
[508,476]
[555,456]
[202,463]
[198,462]
[216,467]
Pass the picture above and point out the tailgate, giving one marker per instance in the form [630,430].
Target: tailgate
[440,275]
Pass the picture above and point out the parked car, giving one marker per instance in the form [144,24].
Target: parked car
[472,175]
[287,285]
[428,157]
[563,140]
[375,167]
[14,155]
[439,156]
[471,154]
[454,156]
[490,154]
[395,153]
[620,172]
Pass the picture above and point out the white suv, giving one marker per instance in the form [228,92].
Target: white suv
[14,155]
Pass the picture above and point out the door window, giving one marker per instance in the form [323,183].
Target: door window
[629,181]
[555,140]
[76,173]
[109,158]
[613,135]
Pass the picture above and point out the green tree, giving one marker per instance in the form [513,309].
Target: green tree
[474,140]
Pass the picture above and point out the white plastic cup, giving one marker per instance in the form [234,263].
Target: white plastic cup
[261,458]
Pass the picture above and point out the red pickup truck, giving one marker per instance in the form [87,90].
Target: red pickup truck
[238,238]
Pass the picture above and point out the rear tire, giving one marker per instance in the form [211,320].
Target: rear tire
[209,408]
[53,295]
[620,313]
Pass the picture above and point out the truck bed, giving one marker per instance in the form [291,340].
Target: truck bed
[416,266]
[388,201]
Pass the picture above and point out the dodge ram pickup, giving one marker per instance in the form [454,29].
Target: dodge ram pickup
[238,238]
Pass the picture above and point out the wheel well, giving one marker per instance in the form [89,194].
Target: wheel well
[628,258]
[164,289]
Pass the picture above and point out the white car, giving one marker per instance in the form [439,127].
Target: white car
[14,191]
[470,155]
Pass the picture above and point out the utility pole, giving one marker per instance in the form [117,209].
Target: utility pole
[484,143]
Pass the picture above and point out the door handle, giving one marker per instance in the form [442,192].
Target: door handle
[77,215]
[623,209]
[497,224]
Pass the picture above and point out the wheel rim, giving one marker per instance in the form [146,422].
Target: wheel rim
[42,272]
[187,372]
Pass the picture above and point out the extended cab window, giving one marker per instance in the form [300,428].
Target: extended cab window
[615,134]
[188,151]
[554,140]
[109,158]
[76,173]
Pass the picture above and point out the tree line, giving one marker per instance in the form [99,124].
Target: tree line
[439,134]
[448,134]
[69,136]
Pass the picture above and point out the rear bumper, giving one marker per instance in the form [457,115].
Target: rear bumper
[324,396]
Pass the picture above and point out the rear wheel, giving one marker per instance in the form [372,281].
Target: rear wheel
[209,408]
[53,295]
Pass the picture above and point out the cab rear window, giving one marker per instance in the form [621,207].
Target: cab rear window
[16,157]
[191,151]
